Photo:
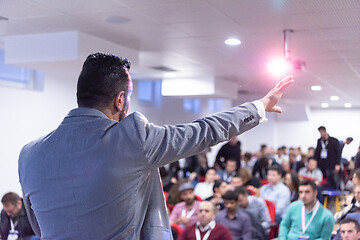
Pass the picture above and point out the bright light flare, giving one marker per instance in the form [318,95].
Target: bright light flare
[347,105]
[232,41]
[324,105]
[334,98]
[279,67]
[316,88]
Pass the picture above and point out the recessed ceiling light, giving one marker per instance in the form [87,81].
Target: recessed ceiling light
[324,105]
[232,41]
[347,105]
[316,88]
[116,19]
[334,98]
[170,75]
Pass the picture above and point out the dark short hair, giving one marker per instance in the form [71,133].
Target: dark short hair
[276,168]
[241,190]
[101,78]
[217,184]
[351,220]
[10,197]
[322,128]
[349,139]
[230,159]
[230,195]
[308,182]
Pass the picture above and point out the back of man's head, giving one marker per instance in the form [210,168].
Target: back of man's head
[101,78]
[10,197]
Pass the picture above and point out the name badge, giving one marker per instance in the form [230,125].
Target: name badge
[304,237]
[323,153]
[13,235]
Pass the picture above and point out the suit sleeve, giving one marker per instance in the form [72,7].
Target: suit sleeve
[337,151]
[317,151]
[166,144]
[31,216]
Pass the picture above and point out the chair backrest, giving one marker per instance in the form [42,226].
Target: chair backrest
[198,198]
[178,229]
[271,208]
[251,191]
[264,182]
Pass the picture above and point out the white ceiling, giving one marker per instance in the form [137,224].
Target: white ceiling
[189,35]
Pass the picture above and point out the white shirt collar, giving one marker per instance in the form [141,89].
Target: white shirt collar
[315,206]
[210,225]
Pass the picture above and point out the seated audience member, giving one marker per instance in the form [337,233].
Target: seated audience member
[357,159]
[14,223]
[205,189]
[277,192]
[261,167]
[307,218]
[235,181]
[295,165]
[206,227]
[196,166]
[220,188]
[247,161]
[229,171]
[349,229]
[234,218]
[310,153]
[185,212]
[311,171]
[247,179]
[355,179]
[231,150]
[292,181]
[173,192]
[354,206]
[255,206]
[281,155]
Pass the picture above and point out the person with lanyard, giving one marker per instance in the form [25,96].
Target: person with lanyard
[206,228]
[307,218]
[327,154]
[14,223]
[185,212]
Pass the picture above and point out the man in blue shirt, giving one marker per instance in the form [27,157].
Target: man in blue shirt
[232,217]
[277,192]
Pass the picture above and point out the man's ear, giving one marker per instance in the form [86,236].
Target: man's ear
[119,101]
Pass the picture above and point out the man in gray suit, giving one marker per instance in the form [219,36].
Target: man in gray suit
[96,176]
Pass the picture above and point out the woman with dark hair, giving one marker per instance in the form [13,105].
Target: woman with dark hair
[292,182]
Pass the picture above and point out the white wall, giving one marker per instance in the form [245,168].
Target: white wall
[27,115]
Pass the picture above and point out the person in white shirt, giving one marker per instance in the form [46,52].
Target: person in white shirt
[205,189]
[311,171]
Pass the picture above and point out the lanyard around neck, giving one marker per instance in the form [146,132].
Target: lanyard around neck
[304,227]
[13,225]
[198,236]
[189,214]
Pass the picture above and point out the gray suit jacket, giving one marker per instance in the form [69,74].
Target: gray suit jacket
[95,178]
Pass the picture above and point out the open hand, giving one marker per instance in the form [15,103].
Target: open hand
[273,97]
